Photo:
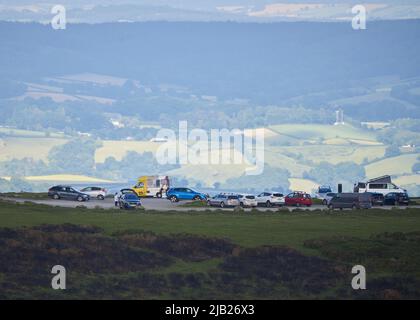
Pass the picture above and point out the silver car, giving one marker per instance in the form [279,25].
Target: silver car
[95,192]
[327,198]
[223,200]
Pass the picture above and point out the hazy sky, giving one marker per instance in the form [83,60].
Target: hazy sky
[206,10]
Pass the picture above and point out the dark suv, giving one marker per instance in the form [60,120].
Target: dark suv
[396,198]
[351,200]
[68,193]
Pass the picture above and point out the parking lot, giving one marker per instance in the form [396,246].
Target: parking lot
[162,205]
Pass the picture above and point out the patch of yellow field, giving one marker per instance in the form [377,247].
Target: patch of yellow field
[366,142]
[407,180]
[311,132]
[337,141]
[305,185]
[118,149]
[35,148]
[400,165]
[268,133]
[335,154]
[62,178]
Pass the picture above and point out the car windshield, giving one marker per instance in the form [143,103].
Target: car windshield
[250,197]
[131,197]
[232,197]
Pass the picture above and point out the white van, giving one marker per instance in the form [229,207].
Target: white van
[381,185]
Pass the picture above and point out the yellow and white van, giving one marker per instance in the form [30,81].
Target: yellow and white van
[152,186]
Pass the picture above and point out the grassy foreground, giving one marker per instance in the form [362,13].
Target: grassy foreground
[246,229]
[178,255]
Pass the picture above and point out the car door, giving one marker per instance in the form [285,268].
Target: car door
[213,201]
[293,199]
[188,194]
[73,194]
[67,194]
[62,192]
[389,199]
[87,190]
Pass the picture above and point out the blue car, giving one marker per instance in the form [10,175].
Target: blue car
[129,201]
[176,194]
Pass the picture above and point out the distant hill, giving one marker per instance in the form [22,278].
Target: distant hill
[302,63]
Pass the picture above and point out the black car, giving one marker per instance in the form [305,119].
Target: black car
[67,193]
[351,200]
[377,199]
[396,198]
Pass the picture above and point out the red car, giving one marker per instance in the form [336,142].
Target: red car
[298,199]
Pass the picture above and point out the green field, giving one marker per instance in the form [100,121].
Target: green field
[245,229]
[314,133]
[207,255]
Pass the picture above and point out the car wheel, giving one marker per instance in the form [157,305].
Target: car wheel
[80,198]
[241,204]
[174,199]
[159,195]
[222,204]
[268,204]
[324,202]
[56,197]
[101,197]
[196,198]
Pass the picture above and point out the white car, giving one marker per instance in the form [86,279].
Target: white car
[95,192]
[271,199]
[247,200]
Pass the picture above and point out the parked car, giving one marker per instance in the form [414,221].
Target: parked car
[129,201]
[377,199]
[223,200]
[396,198]
[327,198]
[351,200]
[120,193]
[298,199]
[270,199]
[247,200]
[176,194]
[68,193]
[95,192]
